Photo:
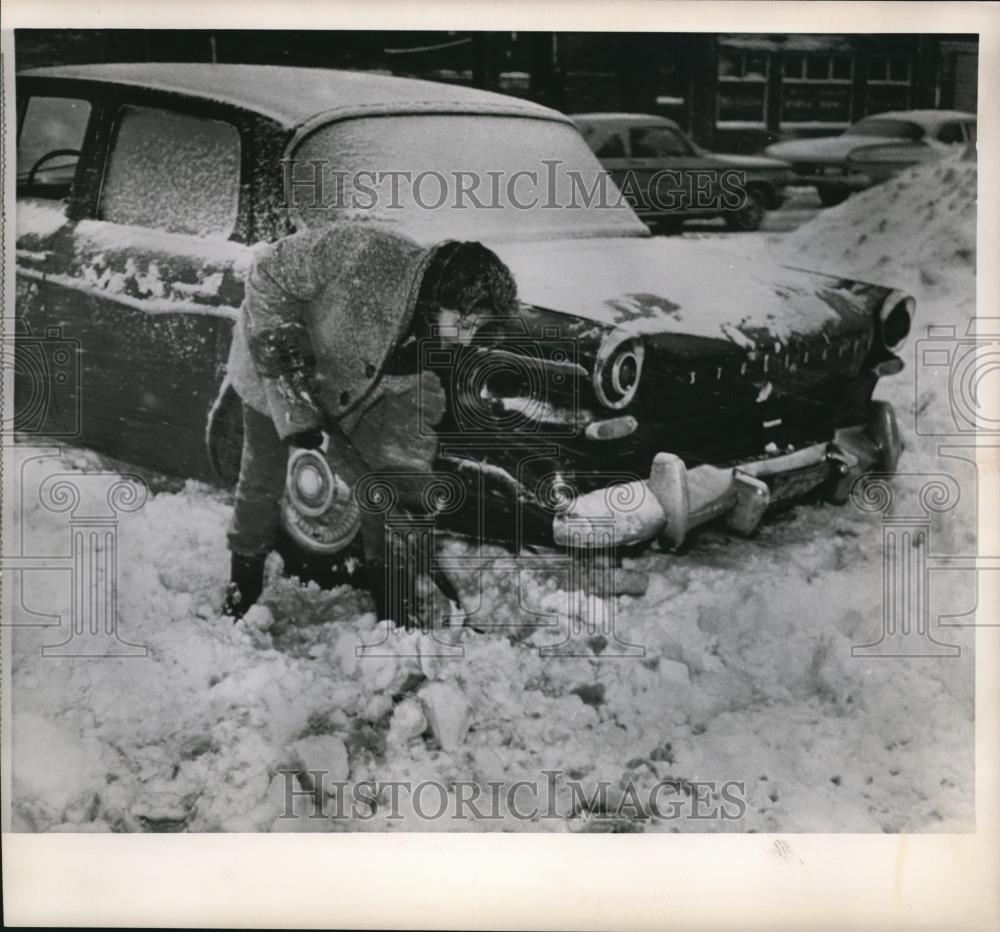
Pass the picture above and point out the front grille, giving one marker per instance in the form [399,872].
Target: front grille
[784,361]
[740,406]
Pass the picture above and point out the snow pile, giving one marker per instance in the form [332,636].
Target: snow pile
[916,231]
[746,674]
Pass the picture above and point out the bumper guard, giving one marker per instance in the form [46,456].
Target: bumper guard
[676,499]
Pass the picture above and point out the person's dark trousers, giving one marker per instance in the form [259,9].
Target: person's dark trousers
[257,512]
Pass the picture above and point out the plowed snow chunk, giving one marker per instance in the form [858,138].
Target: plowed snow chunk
[53,765]
[407,722]
[326,753]
[448,712]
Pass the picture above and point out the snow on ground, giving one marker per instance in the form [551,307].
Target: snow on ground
[748,674]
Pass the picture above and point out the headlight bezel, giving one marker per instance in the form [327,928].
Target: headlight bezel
[893,335]
[614,381]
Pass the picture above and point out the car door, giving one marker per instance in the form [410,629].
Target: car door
[52,132]
[675,179]
[149,283]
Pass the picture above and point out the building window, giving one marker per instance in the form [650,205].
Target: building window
[889,69]
[816,89]
[742,88]
[889,78]
[829,69]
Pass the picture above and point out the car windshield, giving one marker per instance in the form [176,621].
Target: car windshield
[458,175]
[888,129]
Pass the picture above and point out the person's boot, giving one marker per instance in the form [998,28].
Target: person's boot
[246,582]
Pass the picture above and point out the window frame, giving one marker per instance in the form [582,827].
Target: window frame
[262,138]
[963,136]
[760,81]
[24,95]
[114,126]
[803,78]
[888,79]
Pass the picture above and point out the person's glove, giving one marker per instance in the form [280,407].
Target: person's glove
[311,439]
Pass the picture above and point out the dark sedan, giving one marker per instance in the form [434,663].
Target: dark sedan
[642,390]
[669,179]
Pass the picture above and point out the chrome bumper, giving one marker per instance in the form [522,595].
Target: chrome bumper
[675,499]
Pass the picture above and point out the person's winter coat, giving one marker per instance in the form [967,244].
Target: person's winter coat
[324,309]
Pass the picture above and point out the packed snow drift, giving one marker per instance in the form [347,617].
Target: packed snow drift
[746,677]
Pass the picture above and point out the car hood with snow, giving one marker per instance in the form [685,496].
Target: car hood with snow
[655,286]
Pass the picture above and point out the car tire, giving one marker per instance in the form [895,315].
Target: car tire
[750,216]
[831,197]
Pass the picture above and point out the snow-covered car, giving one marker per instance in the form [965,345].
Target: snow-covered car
[669,179]
[874,149]
[647,385]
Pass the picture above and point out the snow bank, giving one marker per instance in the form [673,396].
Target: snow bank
[917,231]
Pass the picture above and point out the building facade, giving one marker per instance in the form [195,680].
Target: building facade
[733,92]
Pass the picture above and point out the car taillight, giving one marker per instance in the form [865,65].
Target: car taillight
[618,369]
[895,317]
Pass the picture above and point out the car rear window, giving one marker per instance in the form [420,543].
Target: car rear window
[951,133]
[656,142]
[889,129]
[172,171]
[612,148]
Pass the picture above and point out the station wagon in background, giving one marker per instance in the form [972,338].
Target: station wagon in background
[874,149]
[671,179]
[647,384]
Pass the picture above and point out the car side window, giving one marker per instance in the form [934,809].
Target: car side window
[656,142]
[49,144]
[612,148]
[970,131]
[173,171]
[951,133]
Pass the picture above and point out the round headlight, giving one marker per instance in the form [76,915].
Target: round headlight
[895,318]
[618,369]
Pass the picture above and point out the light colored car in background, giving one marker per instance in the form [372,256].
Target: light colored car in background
[669,179]
[874,149]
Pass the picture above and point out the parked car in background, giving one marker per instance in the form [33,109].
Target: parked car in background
[874,149]
[668,179]
[646,386]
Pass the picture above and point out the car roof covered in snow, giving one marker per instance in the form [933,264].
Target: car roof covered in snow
[923,117]
[292,96]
